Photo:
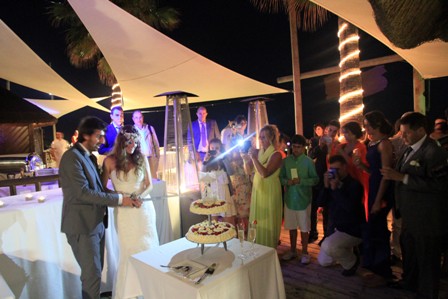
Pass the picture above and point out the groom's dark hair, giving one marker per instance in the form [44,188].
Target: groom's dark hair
[88,125]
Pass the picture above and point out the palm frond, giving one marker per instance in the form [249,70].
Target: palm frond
[83,53]
[105,72]
[82,49]
[271,6]
[309,15]
[62,14]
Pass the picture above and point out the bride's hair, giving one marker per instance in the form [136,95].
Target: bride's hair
[122,158]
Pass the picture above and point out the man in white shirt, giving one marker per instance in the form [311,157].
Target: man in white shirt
[149,144]
[58,147]
[421,182]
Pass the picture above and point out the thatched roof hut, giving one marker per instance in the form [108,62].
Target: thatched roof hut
[21,125]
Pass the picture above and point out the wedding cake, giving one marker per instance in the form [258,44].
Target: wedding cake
[208,233]
[208,206]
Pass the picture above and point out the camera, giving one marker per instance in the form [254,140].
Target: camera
[212,152]
[332,173]
[247,144]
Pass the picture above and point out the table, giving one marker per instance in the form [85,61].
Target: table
[255,277]
[35,259]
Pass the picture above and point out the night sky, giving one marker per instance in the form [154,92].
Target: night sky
[236,35]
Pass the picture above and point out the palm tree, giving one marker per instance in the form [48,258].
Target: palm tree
[302,15]
[82,49]
[350,86]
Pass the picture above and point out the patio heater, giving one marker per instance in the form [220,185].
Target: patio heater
[257,116]
[180,170]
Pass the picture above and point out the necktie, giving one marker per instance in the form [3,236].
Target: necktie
[203,136]
[406,154]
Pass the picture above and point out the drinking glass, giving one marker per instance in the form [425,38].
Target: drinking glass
[240,230]
[251,237]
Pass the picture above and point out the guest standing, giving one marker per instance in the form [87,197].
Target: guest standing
[129,172]
[204,130]
[266,203]
[241,183]
[376,236]
[149,144]
[318,154]
[85,202]
[74,138]
[298,175]
[326,147]
[117,117]
[58,147]
[421,184]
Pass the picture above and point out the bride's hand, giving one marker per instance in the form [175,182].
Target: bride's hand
[137,203]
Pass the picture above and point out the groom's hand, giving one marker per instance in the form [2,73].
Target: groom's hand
[128,202]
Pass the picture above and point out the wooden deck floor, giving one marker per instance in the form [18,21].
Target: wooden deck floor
[315,282]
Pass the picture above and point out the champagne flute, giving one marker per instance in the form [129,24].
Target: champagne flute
[356,157]
[240,228]
[251,236]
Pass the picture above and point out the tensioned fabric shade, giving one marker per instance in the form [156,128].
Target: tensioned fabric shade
[147,63]
[59,108]
[429,59]
[19,64]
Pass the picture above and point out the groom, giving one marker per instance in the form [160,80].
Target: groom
[84,209]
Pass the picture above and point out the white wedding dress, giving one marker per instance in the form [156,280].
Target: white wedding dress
[136,228]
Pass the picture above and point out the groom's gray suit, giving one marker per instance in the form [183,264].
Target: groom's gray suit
[84,207]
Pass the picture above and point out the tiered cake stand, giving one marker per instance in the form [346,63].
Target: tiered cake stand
[209,215]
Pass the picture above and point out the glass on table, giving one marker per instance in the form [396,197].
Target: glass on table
[241,235]
[252,236]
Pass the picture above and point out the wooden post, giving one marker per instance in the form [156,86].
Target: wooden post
[295,68]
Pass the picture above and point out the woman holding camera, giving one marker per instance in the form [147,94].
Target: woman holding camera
[266,202]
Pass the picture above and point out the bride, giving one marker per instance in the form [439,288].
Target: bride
[129,172]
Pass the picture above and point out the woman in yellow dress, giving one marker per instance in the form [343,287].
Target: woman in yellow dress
[266,200]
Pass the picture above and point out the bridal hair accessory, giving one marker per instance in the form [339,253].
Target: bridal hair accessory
[129,134]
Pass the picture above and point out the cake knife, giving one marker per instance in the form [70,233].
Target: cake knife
[207,272]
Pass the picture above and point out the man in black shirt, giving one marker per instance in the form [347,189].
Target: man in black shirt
[343,197]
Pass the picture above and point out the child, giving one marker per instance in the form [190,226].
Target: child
[216,165]
[298,174]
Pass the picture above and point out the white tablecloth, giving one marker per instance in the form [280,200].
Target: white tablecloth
[257,277]
[35,259]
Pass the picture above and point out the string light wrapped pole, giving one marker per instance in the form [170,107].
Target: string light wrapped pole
[351,92]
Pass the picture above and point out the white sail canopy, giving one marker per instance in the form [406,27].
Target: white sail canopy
[429,59]
[19,64]
[147,63]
